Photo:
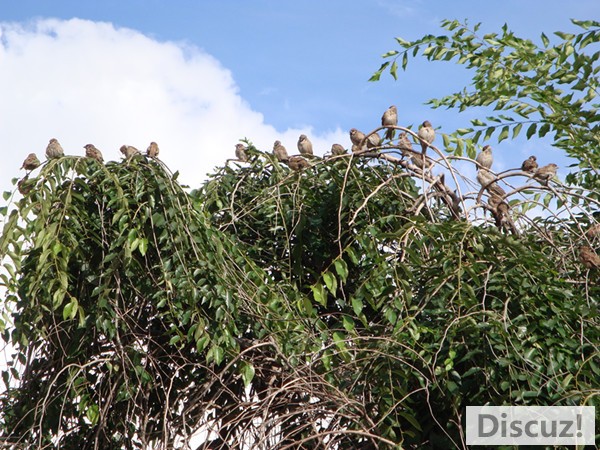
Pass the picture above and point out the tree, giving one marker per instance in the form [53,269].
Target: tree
[360,302]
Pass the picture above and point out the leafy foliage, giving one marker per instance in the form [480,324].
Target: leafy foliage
[350,304]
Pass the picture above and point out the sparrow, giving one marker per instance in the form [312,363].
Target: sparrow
[417,160]
[54,150]
[427,134]
[404,144]
[129,151]
[487,180]
[304,145]
[500,211]
[357,137]
[25,185]
[152,150]
[297,163]
[374,140]
[93,152]
[240,152]
[593,231]
[31,162]
[390,118]
[485,158]
[545,173]
[279,151]
[530,164]
[337,149]
[588,257]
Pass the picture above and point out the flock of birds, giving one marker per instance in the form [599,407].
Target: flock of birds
[55,150]
[361,144]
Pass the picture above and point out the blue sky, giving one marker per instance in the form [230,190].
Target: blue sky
[299,65]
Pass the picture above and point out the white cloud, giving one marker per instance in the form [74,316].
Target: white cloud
[83,81]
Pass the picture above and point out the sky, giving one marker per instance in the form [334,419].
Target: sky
[197,76]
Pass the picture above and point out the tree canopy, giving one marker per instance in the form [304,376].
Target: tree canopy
[359,302]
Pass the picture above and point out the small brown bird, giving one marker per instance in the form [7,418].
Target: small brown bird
[240,152]
[530,164]
[588,257]
[92,152]
[487,180]
[54,150]
[427,134]
[545,173]
[280,152]
[31,162]
[417,160]
[500,211]
[593,231]
[485,158]
[304,145]
[25,185]
[337,149]
[297,163]
[404,144]
[129,151]
[390,118]
[374,140]
[152,150]
[357,137]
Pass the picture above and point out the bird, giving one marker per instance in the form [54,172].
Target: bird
[297,163]
[92,152]
[404,144]
[417,159]
[427,135]
[374,140]
[280,152]
[304,145]
[357,138]
[588,257]
[485,158]
[487,180]
[129,151]
[152,150]
[54,150]
[530,164]
[593,231]
[240,152]
[390,118]
[337,149]
[500,211]
[31,162]
[545,173]
[25,185]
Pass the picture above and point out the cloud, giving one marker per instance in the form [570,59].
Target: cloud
[83,81]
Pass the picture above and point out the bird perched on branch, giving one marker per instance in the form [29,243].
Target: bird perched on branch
[545,173]
[297,163]
[417,159]
[152,150]
[304,145]
[485,158]
[337,149]
[374,140]
[129,151]
[54,149]
[500,211]
[92,152]
[390,118]
[280,152]
[530,164]
[593,231]
[31,162]
[487,180]
[427,135]
[357,138]
[404,144]
[588,257]
[240,152]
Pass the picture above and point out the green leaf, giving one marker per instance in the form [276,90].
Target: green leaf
[330,282]
[531,130]
[503,134]
[248,372]
[341,269]
[517,130]
[394,70]
[319,294]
